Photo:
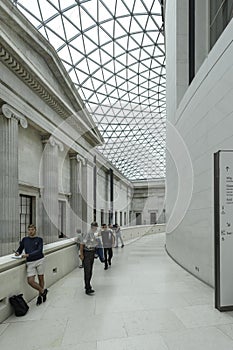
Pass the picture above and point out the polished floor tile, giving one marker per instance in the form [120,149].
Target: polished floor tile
[145,301]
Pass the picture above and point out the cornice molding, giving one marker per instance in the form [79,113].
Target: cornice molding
[17,68]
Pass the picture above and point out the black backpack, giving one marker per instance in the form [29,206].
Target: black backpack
[19,304]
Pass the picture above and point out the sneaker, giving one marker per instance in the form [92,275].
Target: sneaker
[39,300]
[109,263]
[90,291]
[44,295]
[122,245]
[106,267]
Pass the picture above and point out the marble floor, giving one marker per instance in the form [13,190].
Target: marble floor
[143,302]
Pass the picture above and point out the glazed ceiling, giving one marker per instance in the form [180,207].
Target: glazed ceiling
[114,53]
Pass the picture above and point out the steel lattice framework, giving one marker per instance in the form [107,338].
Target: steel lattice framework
[114,53]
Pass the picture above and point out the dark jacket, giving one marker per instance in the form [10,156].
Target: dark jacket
[32,246]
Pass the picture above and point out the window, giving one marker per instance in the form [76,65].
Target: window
[138,218]
[152,218]
[120,218]
[110,217]
[102,221]
[61,219]
[25,214]
[130,217]
[191,40]
[221,12]
[116,219]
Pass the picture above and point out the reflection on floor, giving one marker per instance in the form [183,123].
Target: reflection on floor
[143,302]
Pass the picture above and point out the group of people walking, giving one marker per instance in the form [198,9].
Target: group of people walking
[98,244]
[93,244]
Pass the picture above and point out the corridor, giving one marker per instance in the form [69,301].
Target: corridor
[143,302]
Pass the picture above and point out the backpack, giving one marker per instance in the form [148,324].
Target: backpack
[19,304]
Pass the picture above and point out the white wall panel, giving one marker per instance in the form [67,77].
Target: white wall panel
[204,120]
[30,153]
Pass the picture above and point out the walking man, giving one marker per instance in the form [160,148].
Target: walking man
[33,248]
[87,255]
[118,236]
[108,242]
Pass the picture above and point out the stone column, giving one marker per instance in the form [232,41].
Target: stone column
[9,195]
[84,183]
[75,188]
[50,188]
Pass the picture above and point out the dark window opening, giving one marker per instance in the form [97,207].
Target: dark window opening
[61,219]
[138,218]
[191,40]
[25,214]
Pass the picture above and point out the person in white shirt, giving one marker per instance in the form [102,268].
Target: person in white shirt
[87,255]
[118,236]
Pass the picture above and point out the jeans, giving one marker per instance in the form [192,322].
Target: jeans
[100,253]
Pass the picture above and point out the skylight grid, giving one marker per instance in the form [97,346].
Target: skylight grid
[114,53]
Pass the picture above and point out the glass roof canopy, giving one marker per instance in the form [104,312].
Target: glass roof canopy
[114,52]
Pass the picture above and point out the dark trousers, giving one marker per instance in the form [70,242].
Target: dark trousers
[107,256]
[88,261]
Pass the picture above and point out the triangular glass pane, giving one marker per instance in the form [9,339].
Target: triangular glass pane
[103,13]
[78,44]
[46,9]
[73,15]
[109,48]
[32,7]
[119,31]
[56,41]
[64,54]
[83,66]
[91,7]
[108,27]
[104,38]
[92,34]
[70,29]
[132,44]
[104,57]
[121,9]
[89,45]
[56,26]
[82,76]
[76,55]
[135,27]
[86,20]
[64,4]
[139,8]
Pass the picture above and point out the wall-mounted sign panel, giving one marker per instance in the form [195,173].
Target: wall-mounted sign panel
[223,222]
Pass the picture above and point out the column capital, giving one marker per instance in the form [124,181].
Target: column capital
[81,159]
[10,112]
[53,142]
[73,155]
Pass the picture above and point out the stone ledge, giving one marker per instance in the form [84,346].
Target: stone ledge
[7,262]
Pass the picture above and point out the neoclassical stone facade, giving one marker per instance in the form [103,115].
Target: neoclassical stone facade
[50,171]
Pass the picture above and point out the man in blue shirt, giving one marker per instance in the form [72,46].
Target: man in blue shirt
[33,252]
